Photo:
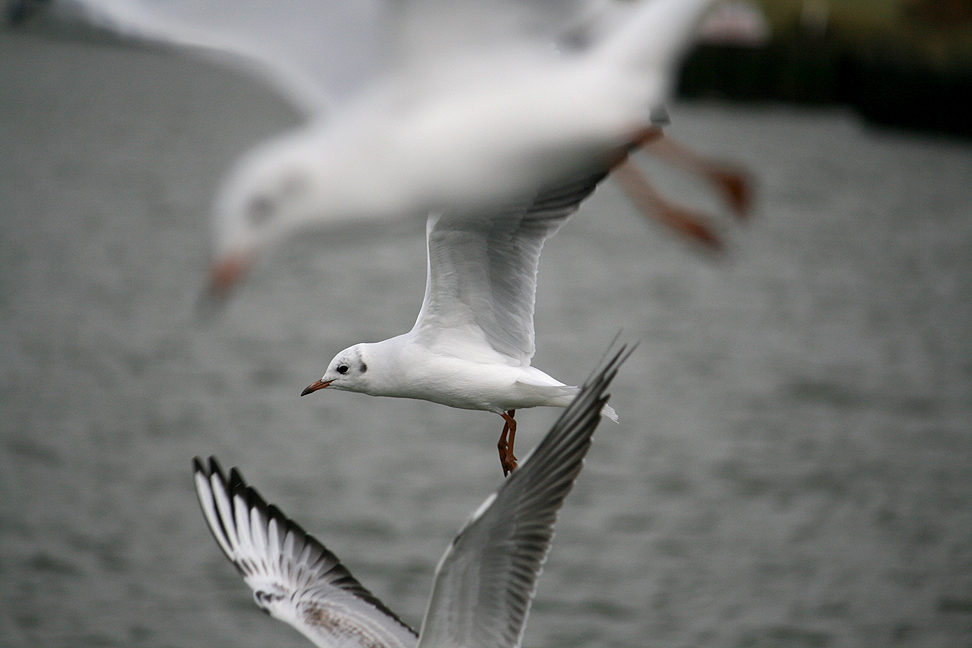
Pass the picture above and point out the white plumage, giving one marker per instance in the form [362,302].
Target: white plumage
[473,340]
[484,583]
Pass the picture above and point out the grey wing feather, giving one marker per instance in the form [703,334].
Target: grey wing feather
[293,576]
[482,269]
[486,580]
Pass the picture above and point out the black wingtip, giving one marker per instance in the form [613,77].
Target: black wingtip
[613,357]
[236,481]
[235,486]
[208,468]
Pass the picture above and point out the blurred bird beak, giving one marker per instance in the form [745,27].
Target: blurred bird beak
[227,273]
[224,275]
[320,384]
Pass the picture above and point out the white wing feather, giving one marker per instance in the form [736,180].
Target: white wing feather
[294,577]
[314,53]
[481,276]
[484,583]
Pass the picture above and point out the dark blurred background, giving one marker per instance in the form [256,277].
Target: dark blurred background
[898,63]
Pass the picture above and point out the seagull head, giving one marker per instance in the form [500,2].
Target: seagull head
[269,195]
[310,178]
[348,371]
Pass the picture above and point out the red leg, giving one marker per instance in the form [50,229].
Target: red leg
[512,423]
[646,136]
[505,445]
[736,188]
[642,138]
[733,183]
[651,203]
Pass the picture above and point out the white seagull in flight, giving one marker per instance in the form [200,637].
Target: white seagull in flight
[418,106]
[473,340]
[484,583]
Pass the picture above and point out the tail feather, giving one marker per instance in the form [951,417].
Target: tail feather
[560,396]
[563,396]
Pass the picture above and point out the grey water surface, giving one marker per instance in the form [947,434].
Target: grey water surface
[793,465]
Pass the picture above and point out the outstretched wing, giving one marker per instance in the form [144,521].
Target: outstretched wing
[294,577]
[430,31]
[486,580]
[481,280]
[310,52]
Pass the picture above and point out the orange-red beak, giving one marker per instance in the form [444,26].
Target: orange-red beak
[224,275]
[227,273]
[320,384]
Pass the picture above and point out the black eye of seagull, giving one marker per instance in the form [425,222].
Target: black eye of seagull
[342,369]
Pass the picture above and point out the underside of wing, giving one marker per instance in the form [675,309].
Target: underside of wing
[482,271]
[293,576]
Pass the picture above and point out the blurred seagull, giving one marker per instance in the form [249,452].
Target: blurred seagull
[484,583]
[473,340]
[418,106]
